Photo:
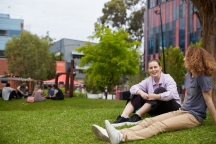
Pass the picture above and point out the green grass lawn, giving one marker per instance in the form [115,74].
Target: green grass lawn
[69,122]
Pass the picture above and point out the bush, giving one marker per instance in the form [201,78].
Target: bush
[79,94]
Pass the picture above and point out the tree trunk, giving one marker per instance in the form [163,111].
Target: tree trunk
[207,16]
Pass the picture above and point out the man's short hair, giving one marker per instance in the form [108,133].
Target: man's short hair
[7,84]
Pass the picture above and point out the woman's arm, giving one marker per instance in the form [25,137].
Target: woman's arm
[208,100]
[142,86]
[185,98]
[171,93]
[34,92]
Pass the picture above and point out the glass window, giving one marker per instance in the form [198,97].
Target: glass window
[167,39]
[150,50]
[77,56]
[182,38]
[177,12]
[167,12]
[154,43]
[149,18]
[183,10]
[174,10]
[174,37]
[3,32]
[180,11]
[157,43]
[14,32]
[182,23]
[192,38]
[190,24]
[170,38]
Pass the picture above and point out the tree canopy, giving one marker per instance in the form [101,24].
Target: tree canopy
[174,64]
[111,58]
[29,56]
[125,13]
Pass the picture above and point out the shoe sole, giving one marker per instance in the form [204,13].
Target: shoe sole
[119,124]
[99,134]
[109,131]
[133,123]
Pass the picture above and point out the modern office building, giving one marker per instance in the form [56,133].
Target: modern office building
[9,27]
[67,47]
[180,26]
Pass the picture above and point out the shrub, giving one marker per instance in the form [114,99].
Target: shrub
[79,94]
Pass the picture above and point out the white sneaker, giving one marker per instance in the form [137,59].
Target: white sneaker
[114,135]
[100,133]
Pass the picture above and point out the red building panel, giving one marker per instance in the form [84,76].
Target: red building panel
[4,66]
[163,13]
[170,11]
[194,22]
[151,56]
[157,56]
[177,2]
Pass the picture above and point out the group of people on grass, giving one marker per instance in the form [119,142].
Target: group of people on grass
[157,95]
[38,95]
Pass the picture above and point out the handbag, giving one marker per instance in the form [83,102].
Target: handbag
[30,99]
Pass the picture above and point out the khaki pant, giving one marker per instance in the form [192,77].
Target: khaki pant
[149,127]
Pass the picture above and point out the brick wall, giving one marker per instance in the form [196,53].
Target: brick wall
[3,66]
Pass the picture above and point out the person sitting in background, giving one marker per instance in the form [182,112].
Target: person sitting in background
[40,83]
[155,95]
[38,94]
[50,91]
[22,91]
[58,95]
[8,93]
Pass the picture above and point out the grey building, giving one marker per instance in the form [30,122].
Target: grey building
[67,47]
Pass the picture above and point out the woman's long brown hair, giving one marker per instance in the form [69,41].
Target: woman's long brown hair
[199,61]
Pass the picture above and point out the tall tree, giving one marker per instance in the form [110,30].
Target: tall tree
[206,13]
[28,56]
[125,13]
[174,64]
[112,57]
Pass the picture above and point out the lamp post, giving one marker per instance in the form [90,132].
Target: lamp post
[159,12]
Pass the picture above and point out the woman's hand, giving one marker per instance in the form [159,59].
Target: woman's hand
[142,94]
[154,96]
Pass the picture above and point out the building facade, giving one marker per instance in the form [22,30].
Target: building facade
[67,47]
[9,27]
[180,26]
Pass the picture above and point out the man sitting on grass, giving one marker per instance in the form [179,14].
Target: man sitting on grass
[8,92]
[58,95]
[50,91]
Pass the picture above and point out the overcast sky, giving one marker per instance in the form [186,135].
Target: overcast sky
[72,19]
